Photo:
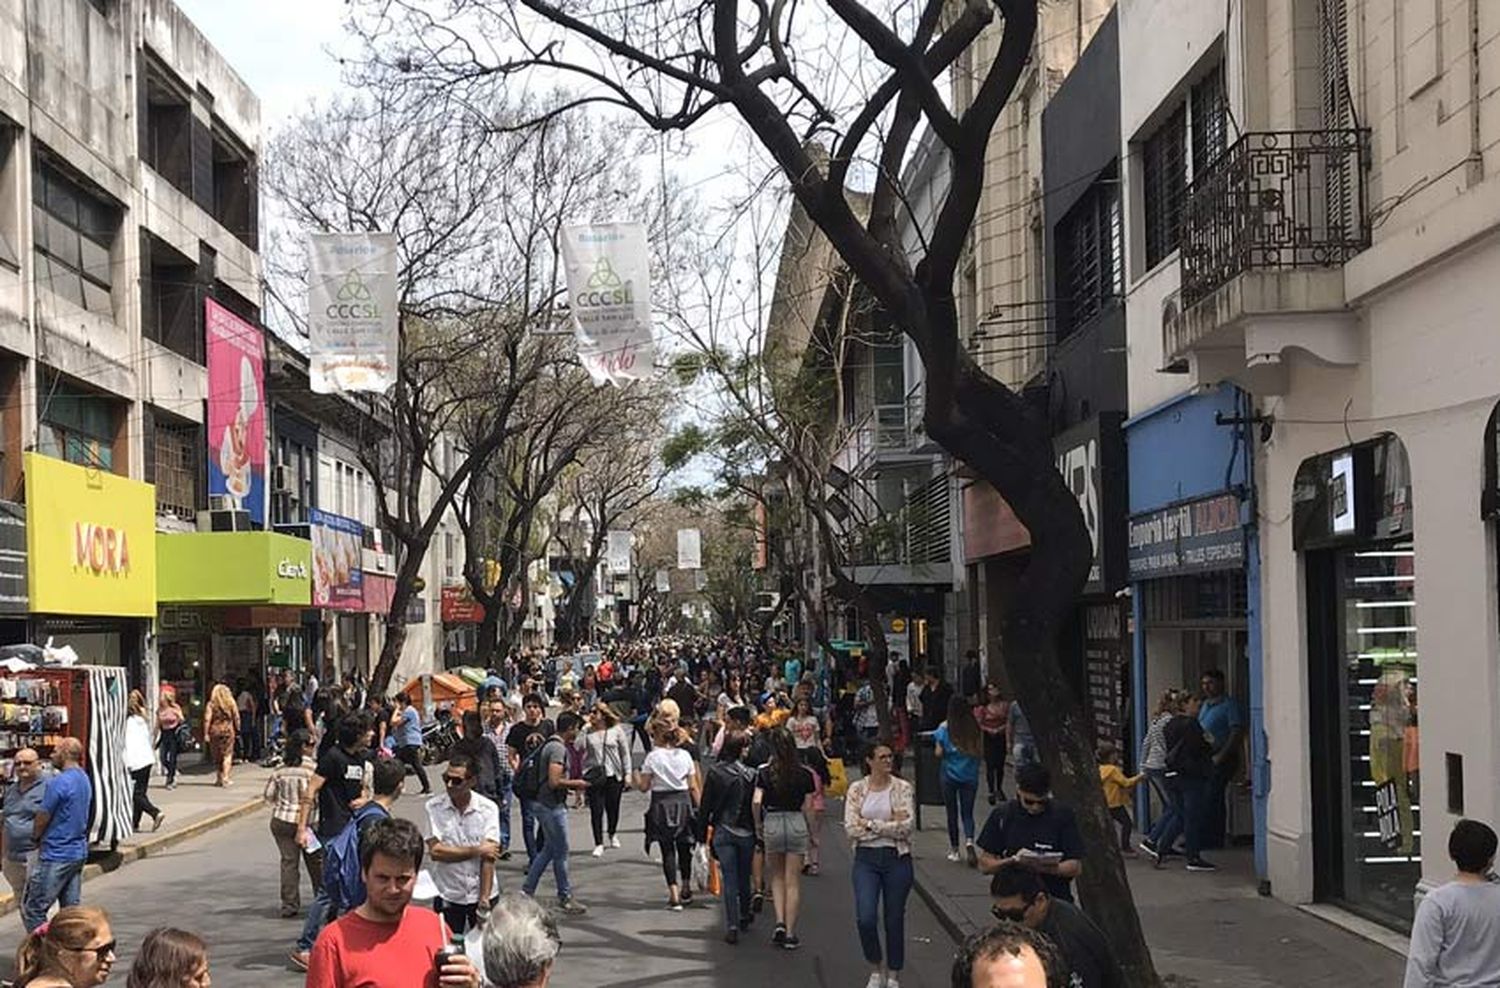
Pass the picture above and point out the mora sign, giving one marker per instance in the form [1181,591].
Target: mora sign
[100,548]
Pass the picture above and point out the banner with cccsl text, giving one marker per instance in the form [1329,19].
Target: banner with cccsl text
[351,312]
[609,295]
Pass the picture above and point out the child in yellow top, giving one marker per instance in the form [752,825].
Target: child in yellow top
[1117,787]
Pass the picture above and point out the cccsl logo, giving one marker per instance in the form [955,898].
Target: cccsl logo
[100,548]
[604,287]
[353,300]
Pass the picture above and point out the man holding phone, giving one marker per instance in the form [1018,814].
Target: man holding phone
[385,942]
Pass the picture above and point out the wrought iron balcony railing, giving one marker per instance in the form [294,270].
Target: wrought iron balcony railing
[1275,200]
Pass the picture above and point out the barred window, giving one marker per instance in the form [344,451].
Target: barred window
[1164,169]
[176,459]
[1209,107]
[1090,255]
[1195,135]
[73,231]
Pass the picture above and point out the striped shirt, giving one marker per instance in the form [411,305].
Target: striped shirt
[285,789]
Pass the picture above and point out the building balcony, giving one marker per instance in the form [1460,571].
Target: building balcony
[888,435]
[1266,231]
[910,546]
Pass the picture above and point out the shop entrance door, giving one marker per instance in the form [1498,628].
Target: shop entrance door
[1366,791]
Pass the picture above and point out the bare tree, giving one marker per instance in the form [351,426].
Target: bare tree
[866,77]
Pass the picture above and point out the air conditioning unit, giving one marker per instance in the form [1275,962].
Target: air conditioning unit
[216,520]
[220,502]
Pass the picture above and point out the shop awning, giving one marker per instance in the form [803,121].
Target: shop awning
[233,568]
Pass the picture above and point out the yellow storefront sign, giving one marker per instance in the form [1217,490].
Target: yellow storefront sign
[90,541]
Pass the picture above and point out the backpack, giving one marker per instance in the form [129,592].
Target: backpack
[532,773]
[341,870]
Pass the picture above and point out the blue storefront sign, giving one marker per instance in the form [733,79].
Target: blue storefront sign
[1192,522]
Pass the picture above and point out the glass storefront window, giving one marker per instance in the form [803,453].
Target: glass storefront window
[1383,860]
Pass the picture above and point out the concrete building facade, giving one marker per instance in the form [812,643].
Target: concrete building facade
[1313,206]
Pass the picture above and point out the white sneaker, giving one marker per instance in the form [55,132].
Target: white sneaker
[954,856]
[614,842]
[877,980]
[890,980]
[598,850]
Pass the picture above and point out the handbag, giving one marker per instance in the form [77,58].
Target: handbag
[594,775]
[184,736]
[838,779]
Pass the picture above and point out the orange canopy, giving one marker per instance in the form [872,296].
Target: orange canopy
[431,690]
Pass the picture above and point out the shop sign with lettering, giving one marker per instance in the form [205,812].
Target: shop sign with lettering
[1195,537]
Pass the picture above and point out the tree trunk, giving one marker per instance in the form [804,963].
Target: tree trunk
[395,619]
[992,430]
[486,634]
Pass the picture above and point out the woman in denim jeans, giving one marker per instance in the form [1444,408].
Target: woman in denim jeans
[728,808]
[168,719]
[878,813]
[959,747]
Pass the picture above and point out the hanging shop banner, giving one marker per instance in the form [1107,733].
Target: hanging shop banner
[338,583]
[90,540]
[609,293]
[236,410]
[619,553]
[689,549]
[663,581]
[459,605]
[1195,537]
[351,312]
[13,594]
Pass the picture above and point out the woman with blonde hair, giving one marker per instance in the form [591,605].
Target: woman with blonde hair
[1154,746]
[169,721]
[170,958]
[220,719]
[140,756]
[76,949]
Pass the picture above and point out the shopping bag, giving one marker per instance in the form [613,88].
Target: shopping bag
[838,779]
[701,864]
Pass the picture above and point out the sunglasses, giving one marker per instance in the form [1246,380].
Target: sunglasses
[454,780]
[100,952]
[1009,915]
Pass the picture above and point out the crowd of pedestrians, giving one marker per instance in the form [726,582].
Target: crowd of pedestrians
[738,750]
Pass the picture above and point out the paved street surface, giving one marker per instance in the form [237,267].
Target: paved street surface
[1203,929]
[223,886]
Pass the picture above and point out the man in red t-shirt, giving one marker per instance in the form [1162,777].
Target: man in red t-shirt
[384,943]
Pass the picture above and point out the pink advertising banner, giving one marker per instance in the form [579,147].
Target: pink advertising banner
[236,410]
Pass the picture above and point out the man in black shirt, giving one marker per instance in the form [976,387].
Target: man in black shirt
[522,739]
[1019,897]
[935,697]
[970,678]
[1034,833]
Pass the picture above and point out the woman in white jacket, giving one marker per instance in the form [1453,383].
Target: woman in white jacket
[140,756]
[606,766]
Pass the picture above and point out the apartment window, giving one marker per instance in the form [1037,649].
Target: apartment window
[1090,256]
[166,125]
[170,310]
[176,460]
[10,224]
[1188,141]
[1209,107]
[74,231]
[76,425]
[450,554]
[234,186]
[296,467]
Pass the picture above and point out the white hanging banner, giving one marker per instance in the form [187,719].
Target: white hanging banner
[663,581]
[619,553]
[351,312]
[609,295]
[689,549]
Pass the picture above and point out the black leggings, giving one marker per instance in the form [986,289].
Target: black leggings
[994,762]
[1121,816]
[141,803]
[411,755]
[682,860]
[604,799]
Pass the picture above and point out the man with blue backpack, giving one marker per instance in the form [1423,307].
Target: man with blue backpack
[341,871]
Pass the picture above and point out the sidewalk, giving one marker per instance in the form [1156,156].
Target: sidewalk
[1203,929]
[194,807]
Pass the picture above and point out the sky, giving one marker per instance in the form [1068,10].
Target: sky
[282,48]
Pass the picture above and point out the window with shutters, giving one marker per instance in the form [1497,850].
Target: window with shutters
[74,231]
[177,458]
[1090,255]
[78,425]
[1191,138]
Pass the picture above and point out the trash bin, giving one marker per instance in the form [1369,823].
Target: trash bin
[926,773]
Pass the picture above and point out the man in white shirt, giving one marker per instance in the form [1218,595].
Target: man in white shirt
[463,835]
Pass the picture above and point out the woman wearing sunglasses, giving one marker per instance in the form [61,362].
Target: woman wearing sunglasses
[878,818]
[76,949]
